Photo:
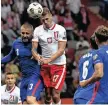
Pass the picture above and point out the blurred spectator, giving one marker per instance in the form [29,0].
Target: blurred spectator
[12,68]
[59,7]
[82,43]
[5,9]
[2,41]
[55,16]
[5,49]
[104,9]
[69,25]
[20,5]
[74,6]
[83,21]
[48,3]
[9,34]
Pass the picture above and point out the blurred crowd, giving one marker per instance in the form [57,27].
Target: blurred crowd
[69,13]
[103,8]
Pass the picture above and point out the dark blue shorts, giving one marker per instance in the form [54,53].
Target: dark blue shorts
[31,86]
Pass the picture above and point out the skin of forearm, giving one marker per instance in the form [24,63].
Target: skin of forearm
[93,79]
[56,55]
[36,56]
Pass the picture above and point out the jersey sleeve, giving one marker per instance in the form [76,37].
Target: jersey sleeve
[62,35]
[35,35]
[19,98]
[97,58]
[10,56]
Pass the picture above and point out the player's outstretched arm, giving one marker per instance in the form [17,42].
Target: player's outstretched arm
[9,57]
[61,49]
[36,56]
[97,75]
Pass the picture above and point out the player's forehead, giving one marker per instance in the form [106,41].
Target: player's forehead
[47,16]
[10,76]
[26,29]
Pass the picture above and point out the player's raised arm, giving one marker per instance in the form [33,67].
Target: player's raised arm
[36,56]
[10,56]
[61,45]
[101,38]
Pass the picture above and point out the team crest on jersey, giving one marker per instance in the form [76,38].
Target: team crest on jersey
[49,40]
[56,35]
[95,57]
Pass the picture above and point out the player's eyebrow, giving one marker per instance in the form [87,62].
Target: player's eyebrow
[25,33]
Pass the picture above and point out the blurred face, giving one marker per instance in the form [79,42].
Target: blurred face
[81,38]
[47,20]
[10,80]
[26,34]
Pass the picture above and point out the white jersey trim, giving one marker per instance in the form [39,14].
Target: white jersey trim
[58,84]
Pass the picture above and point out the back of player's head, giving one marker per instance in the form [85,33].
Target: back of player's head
[102,33]
[93,42]
[27,26]
[46,11]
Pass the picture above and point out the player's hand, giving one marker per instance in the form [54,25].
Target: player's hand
[41,60]
[46,61]
[36,56]
[83,83]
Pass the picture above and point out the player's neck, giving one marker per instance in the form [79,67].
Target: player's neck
[103,43]
[9,88]
[49,26]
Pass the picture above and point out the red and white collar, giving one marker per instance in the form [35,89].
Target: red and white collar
[51,28]
[10,91]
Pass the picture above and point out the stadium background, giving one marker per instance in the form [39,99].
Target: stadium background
[13,14]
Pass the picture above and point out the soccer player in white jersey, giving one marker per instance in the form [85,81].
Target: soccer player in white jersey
[10,93]
[52,39]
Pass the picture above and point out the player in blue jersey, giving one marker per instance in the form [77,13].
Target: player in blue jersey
[31,83]
[100,61]
[82,95]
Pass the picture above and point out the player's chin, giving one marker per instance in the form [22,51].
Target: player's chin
[10,85]
[25,40]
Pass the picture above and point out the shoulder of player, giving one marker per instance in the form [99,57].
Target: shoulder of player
[17,40]
[3,86]
[60,27]
[38,28]
[17,88]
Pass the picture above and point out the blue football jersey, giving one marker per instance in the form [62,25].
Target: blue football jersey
[101,56]
[23,53]
[86,70]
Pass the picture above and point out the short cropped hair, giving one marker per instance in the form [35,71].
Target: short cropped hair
[102,33]
[9,73]
[27,26]
[45,11]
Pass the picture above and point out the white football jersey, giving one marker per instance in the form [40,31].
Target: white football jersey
[48,40]
[10,97]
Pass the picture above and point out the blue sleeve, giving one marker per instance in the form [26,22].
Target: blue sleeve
[97,58]
[9,57]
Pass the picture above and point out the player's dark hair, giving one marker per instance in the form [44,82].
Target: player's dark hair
[102,34]
[9,73]
[93,42]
